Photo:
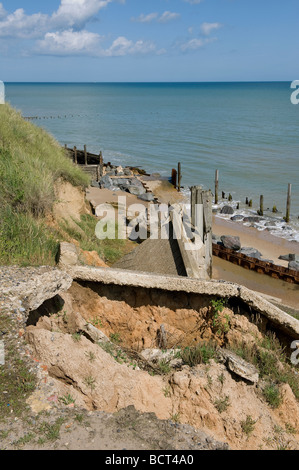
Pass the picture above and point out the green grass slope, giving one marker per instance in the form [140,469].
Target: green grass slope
[31,161]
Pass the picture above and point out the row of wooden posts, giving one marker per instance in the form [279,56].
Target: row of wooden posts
[176,178]
[261,209]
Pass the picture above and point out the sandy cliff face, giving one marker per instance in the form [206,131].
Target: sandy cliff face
[213,397]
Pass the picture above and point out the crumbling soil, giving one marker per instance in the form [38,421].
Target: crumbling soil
[209,397]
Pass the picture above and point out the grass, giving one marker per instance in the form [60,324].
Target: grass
[31,163]
[273,365]
[221,404]
[199,354]
[16,380]
[272,395]
[110,250]
[248,425]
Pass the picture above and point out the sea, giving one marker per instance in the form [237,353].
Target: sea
[249,132]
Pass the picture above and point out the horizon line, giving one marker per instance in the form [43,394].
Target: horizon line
[156,81]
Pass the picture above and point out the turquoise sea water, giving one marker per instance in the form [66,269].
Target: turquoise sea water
[248,131]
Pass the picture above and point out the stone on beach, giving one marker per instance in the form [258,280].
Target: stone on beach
[227,210]
[289,257]
[252,252]
[146,197]
[294,265]
[233,243]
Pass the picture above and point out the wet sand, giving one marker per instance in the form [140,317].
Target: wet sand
[270,246]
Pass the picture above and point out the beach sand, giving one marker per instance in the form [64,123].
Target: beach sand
[271,248]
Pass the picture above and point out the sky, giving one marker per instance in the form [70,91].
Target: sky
[148,40]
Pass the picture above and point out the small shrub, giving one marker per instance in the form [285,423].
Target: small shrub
[115,338]
[76,337]
[200,354]
[272,395]
[90,382]
[164,366]
[67,399]
[222,404]
[248,425]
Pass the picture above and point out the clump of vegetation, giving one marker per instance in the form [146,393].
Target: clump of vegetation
[220,321]
[272,395]
[248,425]
[67,399]
[202,353]
[110,250]
[16,379]
[273,365]
[221,404]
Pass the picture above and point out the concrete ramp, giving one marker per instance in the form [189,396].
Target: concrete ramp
[155,256]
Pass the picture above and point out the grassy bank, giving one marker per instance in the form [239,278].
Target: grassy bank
[31,161]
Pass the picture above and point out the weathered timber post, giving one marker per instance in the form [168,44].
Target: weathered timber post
[261,211]
[174,177]
[101,163]
[85,155]
[179,177]
[287,217]
[98,173]
[75,155]
[216,186]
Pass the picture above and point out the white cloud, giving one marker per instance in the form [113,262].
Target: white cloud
[193,44]
[207,28]
[196,43]
[83,42]
[168,16]
[72,14]
[123,46]
[2,11]
[18,24]
[164,18]
[69,43]
[193,2]
[146,18]
[76,13]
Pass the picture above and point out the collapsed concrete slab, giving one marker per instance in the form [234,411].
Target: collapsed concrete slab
[280,319]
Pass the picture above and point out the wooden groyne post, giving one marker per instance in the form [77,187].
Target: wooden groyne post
[174,177]
[179,176]
[261,210]
[216,186]
[85,155]
[288,209]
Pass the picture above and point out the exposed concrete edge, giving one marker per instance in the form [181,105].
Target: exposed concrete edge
[282,320]
[190,264]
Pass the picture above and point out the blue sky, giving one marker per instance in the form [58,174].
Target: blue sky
[156,40]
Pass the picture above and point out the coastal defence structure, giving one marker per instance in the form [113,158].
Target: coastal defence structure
[187,251]
[2,93]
